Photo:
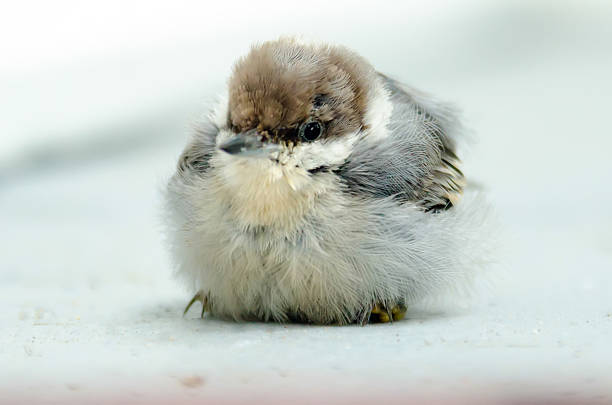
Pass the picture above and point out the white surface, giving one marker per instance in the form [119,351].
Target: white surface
[89,307]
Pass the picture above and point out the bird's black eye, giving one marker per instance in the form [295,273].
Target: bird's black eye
[310,130]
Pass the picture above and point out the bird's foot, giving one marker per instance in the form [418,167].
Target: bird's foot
[201,298]
[381,313]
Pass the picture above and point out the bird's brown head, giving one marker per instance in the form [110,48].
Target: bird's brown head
[294,113]
[289,92]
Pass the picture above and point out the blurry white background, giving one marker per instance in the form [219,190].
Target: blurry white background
[96,99]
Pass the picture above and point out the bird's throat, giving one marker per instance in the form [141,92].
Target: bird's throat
[261,192]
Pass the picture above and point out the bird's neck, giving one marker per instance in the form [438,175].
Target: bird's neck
[260,192]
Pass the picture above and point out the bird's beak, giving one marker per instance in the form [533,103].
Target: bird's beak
[248,144]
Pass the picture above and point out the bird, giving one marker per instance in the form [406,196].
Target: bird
[320,191]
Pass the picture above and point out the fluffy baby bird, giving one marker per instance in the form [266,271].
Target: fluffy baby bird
[320,191]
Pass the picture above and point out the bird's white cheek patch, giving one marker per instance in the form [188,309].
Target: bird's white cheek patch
[330,152]
[219,113]
[378,113]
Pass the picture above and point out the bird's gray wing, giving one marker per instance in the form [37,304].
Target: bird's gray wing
[417,162]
